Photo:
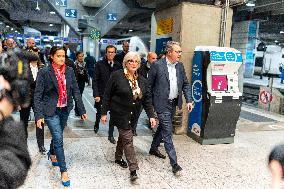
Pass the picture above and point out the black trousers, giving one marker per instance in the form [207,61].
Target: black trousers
[98,106]
[24,116]
[81,86]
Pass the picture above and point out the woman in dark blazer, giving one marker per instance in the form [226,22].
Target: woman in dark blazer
[55,87]
[125,93]
[34,66]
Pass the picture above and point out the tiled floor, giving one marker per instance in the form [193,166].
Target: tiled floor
[90,158]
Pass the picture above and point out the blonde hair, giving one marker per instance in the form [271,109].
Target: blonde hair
[129,56]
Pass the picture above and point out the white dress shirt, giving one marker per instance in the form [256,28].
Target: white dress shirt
[173,79]
[34,71]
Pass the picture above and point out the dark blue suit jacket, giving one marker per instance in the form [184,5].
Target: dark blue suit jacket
[159,84]
[46,93]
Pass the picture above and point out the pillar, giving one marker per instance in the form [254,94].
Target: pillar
[192,25]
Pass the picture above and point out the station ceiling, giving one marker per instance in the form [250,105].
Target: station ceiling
[17,13]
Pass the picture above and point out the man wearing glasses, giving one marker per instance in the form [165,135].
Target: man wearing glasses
[167,81]
[103,70]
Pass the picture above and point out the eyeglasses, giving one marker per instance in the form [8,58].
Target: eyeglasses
[179,52]
[132,61]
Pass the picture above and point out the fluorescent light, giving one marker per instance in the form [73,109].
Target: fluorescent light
[52,12]
[7,26]
[130,30]
[281,31]
[249,4]
[12,29]
[50,24]
[276,41]
[1,23]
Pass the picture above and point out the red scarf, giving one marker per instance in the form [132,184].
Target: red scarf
[60,76]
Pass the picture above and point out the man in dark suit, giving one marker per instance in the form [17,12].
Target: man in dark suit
[103,69]
[167,81]
[120,56]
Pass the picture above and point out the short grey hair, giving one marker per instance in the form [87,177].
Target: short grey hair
[130,55]
[170,44]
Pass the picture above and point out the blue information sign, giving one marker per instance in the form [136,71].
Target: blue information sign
[111,16]
[10,35]
[71,13]
[161,44]
[74,40]
[61,3]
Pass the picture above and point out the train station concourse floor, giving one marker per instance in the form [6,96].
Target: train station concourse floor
[90,156]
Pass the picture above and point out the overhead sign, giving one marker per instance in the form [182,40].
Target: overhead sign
[111,16]
[71,13]
[10,35]
[65,39]
[165,26]
[61,3]
[74,40]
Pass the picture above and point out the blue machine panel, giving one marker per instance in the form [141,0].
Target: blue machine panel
[195,116]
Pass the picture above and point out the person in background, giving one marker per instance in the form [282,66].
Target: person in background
[90,64]
[103,70]
[68,61]
[143,71]
[81,75]
[167,82]
[10,44]
[3,55]
[56,87]
[125,48]
[143,60]
[281,69]
[34,66]
[124,95]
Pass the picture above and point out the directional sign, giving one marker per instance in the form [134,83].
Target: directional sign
[74,40]
[111,16]
[71,13]
[61,3]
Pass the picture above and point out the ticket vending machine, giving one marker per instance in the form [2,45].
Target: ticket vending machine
[217,91]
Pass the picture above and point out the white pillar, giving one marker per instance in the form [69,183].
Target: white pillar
[85,45]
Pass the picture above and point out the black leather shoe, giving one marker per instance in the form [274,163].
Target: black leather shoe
[133,175]
[157,153]
[176,169]
[122,163]
[42,150]
[96,128]
[112,140]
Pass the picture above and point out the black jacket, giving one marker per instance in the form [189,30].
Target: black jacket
[118,99]
[46,93]
[101,76]
[32,82]
[81,73]
[143,70]
[119,57]
[14,156]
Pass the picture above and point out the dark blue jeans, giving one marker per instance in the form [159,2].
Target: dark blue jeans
[164,131]
[56,125]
